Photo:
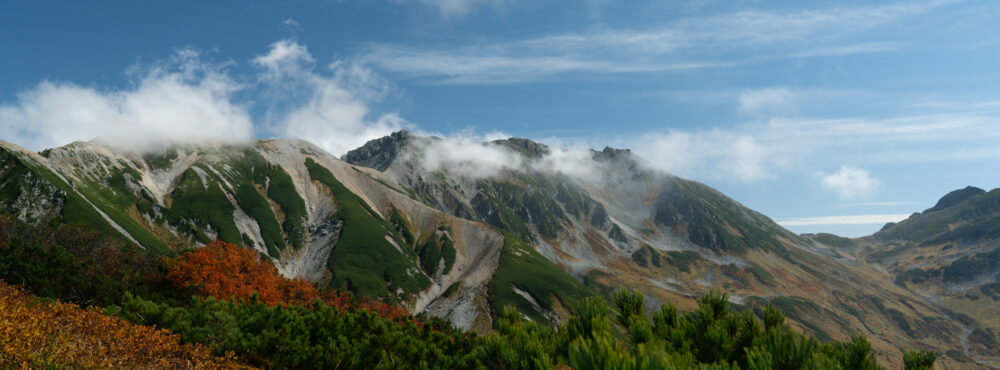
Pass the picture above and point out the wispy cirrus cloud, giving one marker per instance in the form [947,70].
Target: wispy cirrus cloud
[706,42]
[874,219]
[874,204]
[770,101]
[858,48]
[765,149]
[460,8]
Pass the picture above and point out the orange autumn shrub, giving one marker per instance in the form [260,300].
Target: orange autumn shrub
[388,311]
[227,271]
[36,333]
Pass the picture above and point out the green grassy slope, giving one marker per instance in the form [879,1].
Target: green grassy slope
[205,204]
[523,267]
[281,190]
[974,219]
[20,175]
[712,220]
[363,260]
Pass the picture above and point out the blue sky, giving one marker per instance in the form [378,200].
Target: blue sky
[824,115]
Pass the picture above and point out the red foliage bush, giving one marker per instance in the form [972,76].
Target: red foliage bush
[227,271]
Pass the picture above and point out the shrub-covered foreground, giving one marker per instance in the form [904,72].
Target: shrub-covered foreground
[712,337]
[35,333]
[236,303]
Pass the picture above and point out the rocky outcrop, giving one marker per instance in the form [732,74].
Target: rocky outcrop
[381,152]
[530,149]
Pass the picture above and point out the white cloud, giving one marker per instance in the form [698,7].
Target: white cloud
[876,219]
[330,109]
[286,58]
[468,155]
[332,105]
[765,149]
[718,154]
[184,100]
[188,100]
[707,42]
[851,182]
[292,25]
[571,161]
[773,101]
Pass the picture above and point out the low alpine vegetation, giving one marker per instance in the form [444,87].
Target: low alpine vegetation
[223,306]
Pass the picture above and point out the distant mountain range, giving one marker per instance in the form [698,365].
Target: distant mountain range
[445,231]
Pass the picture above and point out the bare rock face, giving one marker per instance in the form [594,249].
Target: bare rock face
[381,152]
[35,197]
[529,148]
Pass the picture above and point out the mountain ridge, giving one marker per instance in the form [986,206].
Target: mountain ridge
[539,233]
[701,239]
[950,254]
[955,197]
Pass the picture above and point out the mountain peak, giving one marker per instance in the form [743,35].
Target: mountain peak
[615,153]
[955,197]
[622,158]
[379,153]
[530,148]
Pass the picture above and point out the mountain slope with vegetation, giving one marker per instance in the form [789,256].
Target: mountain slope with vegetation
[462,245]
[949,254]
[314,216]
[612,221]
[243,310]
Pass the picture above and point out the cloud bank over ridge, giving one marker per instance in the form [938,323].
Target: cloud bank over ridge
[289,93]
[184,99]
[187,99]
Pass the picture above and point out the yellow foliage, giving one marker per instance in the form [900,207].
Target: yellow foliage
[37,333]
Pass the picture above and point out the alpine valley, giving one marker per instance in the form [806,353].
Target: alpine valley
[391,222]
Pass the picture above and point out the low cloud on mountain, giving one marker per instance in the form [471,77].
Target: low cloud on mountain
[183,99]
[468,154]
[289,93]
[188,99]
